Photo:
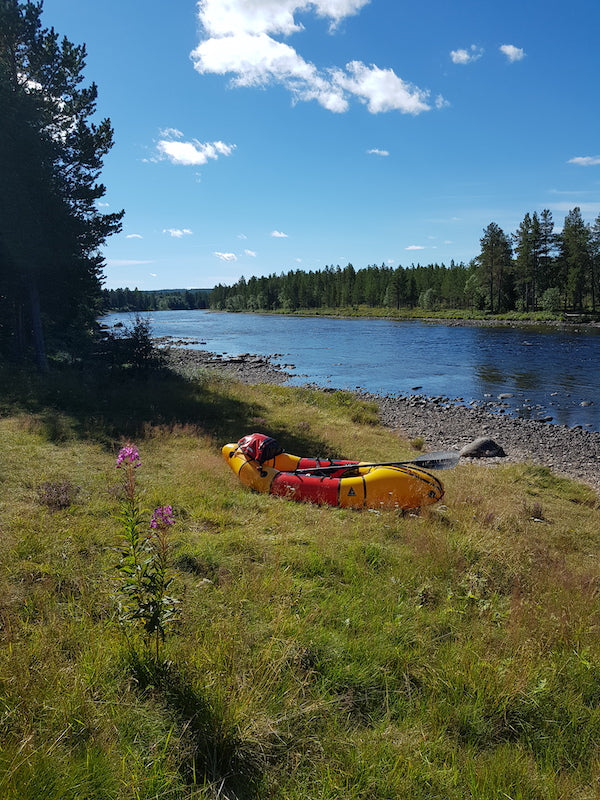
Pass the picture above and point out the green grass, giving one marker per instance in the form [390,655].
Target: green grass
[319,653]
[539,317]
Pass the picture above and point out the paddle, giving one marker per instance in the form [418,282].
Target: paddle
[440,460]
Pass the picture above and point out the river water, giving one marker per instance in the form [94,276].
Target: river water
[547,371]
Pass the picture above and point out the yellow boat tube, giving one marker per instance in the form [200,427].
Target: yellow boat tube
[261,465]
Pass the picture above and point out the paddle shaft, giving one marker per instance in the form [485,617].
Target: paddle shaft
[442,460]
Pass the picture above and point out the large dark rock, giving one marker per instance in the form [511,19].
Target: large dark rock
[483,447]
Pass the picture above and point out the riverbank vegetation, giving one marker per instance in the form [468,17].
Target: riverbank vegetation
[137,300]
[316,653]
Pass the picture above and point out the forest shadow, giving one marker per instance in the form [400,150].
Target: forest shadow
[107,403]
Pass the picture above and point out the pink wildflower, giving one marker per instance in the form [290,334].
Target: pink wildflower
[128,455]
[162,517]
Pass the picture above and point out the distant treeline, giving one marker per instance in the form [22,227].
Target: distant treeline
[337,287]
[534,269]
[530,270]
[160,300]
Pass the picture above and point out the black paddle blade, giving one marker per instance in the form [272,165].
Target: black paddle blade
[444,459]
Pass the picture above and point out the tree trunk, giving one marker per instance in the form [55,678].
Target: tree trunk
[36,327]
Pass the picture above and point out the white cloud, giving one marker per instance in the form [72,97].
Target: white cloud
[585,161]
[591,209]
[242,236]
[134,236]
[512,53]
[463,56]
[376,152]
[153,274]
[279,235]
[381,89]
[225,256]
[250,253]
[415,247]
[178,233]
[192,153]
[171,133]
[220,17]
[239,40]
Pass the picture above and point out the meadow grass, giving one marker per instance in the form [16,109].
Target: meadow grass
[319,653]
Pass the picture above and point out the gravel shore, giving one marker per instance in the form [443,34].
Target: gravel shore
[573,452]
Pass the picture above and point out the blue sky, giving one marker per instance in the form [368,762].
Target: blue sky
[258,136]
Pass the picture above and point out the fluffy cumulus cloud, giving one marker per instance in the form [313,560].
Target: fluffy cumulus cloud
[240,40]
[585,161]
[225,256]
[512,53]
[463,56]
[178,233]
[189,153]
[415,247]
[376,152]
[250,253]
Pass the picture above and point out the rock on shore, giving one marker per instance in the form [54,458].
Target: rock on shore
[569,451]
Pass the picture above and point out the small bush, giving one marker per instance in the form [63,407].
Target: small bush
[551,300]
[57,494]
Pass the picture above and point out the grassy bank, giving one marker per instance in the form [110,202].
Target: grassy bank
[456,314]
[318,653]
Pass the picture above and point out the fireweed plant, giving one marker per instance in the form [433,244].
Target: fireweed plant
[143,600]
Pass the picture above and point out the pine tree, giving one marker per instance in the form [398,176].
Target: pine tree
[595,253]
[547,268]
[51,156]
[576,257]
[495,262]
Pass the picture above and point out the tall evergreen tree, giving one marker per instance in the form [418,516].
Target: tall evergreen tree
[576,257]
[595,253]
[526,262]
[495,262]
[396,291]
[547,272]
[51,155]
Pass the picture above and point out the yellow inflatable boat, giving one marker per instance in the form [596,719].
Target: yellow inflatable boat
[261,464]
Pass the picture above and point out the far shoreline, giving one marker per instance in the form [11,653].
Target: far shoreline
[573,321]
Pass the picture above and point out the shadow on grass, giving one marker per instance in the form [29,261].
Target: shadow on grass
[212,750]
[108,404]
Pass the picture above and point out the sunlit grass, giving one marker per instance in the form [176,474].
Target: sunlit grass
[319,653]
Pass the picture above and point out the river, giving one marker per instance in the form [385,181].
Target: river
[529,371]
